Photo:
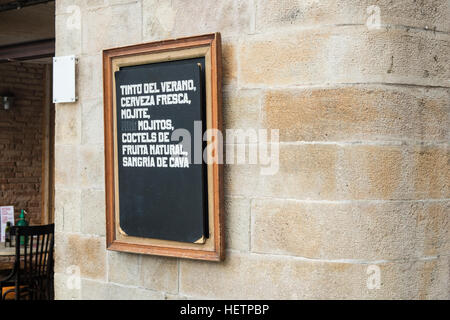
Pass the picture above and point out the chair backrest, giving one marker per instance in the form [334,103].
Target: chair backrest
[34,260]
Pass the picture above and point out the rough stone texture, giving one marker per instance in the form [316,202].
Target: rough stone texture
[229,63]
[94,290]
[169,20]
[305,171]
[66,167]
[92,122]
[111,26]
[93,212]
[91,166]
[84,252]
[159,274]
[68,32]
[116,292]
[347,172]
[386,231]
[123,268]
[357,113]
[237,223]
[68,124]
[90,81]
[372,172]
[273,277]
[241,110]
[388,172]
[431,175]
[99,290]
[64,290]
[273,14]
[67,203]
[363,178]
[328,55]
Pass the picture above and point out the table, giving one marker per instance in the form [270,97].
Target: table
[7,256]
[7,251]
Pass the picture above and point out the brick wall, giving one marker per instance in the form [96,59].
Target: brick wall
[363,183]
[21,139]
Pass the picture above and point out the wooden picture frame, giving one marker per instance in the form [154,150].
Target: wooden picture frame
[209,47]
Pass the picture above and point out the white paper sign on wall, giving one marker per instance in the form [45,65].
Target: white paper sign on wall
[64,79]
[6,214]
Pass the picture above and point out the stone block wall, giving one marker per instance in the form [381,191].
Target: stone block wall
[362,105]
[21,138]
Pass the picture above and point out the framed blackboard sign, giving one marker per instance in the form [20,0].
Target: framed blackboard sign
[163,192]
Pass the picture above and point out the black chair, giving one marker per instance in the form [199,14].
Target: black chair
[32,274]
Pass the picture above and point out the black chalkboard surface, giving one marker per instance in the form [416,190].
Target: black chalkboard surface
[159,196]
